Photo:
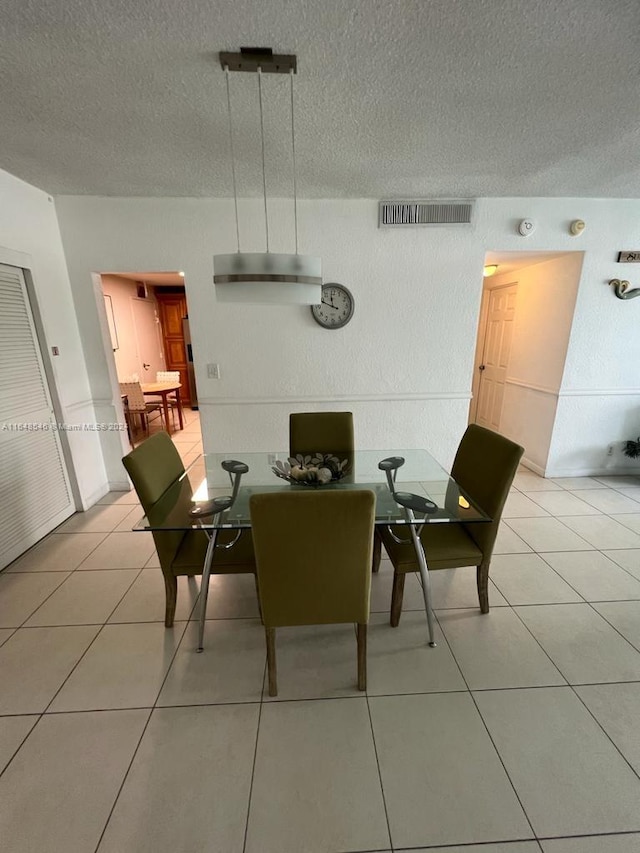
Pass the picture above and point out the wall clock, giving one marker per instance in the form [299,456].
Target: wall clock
[336,308]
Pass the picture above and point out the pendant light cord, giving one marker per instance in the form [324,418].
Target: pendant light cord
[293,159]
[264,176]
[233,158]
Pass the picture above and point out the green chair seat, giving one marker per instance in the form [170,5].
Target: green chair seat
[448,546]
[189,558]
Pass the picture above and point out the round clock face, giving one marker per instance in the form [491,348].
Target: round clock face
[336,308]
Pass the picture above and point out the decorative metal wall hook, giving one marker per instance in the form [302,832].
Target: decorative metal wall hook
[621,289]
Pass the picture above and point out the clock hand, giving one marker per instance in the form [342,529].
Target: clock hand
[335,307]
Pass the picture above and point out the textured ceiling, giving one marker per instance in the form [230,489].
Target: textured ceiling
[395,98]
[159,279]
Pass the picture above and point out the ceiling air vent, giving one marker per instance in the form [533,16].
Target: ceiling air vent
[393,213]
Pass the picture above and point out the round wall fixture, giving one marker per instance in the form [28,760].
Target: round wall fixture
[576,227]
[526,227]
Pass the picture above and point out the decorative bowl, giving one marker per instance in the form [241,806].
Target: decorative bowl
[313,470]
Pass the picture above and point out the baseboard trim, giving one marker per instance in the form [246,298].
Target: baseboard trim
[119,486]
[532,466]
[593,472]
[89,500]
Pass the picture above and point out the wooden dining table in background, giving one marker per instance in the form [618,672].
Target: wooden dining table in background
[163,389]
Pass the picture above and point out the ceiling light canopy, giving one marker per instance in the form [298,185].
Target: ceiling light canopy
[265,277]
[490,269]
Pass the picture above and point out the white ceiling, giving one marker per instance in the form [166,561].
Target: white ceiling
[395,98]
[159,279]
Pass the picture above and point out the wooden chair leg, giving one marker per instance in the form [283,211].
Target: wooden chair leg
[270,634]
[483,585]
[397,594]
[362,656]
[377,551]
[171,589]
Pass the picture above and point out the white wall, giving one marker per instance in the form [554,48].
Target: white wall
[543,318]
[404,364]
[30,238]
[127,357]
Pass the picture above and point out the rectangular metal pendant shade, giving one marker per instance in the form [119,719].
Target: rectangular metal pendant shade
[267,278]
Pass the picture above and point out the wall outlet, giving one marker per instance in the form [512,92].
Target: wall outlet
[213,371]
[610,450]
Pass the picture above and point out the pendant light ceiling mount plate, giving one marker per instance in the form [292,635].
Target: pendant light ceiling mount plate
[263,58]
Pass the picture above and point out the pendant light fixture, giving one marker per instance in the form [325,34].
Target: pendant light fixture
[265,277]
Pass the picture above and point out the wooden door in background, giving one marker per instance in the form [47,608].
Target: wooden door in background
[495,358]
[173,309]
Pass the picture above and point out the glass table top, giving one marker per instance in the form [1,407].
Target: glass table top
[205,479]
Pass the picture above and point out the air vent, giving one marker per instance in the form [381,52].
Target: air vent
[392,213]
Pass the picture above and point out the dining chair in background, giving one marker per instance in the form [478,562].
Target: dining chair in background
[321,432]
[137,405]
[327,432]
[313,559]
[484,467]
[164,490]
[172,400]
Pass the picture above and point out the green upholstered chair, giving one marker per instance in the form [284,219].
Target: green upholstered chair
[313,557]
[156,470]
[321,432]
[484,467]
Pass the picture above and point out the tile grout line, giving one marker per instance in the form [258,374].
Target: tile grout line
[556,518]
[375,751]
[23,741]
[568,583]
[82,656]
[126,773]
[470,692]
[623,601]
[145,727]
[572,687]
[602,729]
[86,624]
[255,758]
[55,532]
[44,600]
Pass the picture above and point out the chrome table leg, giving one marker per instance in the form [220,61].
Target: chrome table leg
[204,585]
[424,573]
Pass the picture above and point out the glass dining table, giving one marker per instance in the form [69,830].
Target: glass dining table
[411,489]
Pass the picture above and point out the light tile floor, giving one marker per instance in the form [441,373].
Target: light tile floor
[518,733]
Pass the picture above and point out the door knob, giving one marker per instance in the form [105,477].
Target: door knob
[146,366]
[481,367]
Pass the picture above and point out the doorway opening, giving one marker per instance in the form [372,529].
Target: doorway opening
[150,347]
[526,314]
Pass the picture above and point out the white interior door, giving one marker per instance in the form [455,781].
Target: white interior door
[148,340]
[495,358]
[35,495]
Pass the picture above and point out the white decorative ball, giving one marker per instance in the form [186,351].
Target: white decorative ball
[324,475]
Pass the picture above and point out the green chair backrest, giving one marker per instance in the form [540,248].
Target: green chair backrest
[321,432]
[484,467]
[154,467]
[313,555]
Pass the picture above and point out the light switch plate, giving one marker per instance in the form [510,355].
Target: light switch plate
[213,371]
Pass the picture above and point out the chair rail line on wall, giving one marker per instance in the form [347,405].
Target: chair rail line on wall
[334,398]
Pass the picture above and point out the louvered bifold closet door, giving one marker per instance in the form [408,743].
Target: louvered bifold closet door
[34,487]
